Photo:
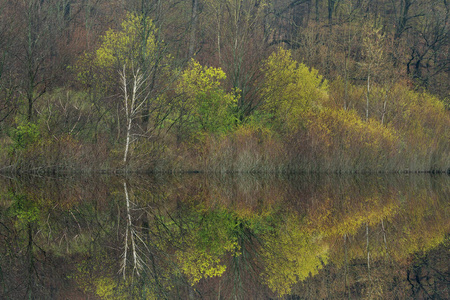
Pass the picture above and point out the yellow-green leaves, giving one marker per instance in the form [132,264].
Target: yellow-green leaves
[291,254]
[198,264]
[134,43]
[198,78]
[290,88]
[206,246]
[206,105]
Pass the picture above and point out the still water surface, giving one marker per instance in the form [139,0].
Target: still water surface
[225,237]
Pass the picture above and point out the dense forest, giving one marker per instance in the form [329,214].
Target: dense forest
[224,85]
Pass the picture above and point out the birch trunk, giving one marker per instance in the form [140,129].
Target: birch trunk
[133,103]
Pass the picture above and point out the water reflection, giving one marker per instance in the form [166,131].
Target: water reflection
[241,237]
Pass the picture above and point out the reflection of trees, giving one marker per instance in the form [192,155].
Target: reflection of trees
[291,254]
[133,235]
[27,266]
[407,218]
[194,237]
[22,250]
[429,275]
[45,234]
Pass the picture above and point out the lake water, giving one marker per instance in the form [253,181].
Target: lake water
[225,237]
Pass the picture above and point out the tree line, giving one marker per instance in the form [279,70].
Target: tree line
[249,237]
[211,85]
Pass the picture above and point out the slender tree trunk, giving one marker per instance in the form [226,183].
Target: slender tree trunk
[133,102]
[127,113]
[127,143]
[346,265]
[330,13]
[367,97]
[218,37]
[192,39]
[31,281]
[317,10]
[384,235]
[368,250]
[347,59]
[30,40]
[403,17]
[384,111]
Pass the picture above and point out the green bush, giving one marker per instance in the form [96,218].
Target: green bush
[24,135]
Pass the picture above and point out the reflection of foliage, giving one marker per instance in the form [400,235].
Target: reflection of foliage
[291,255]
[24,209]
[96,275]
[105,287]
[424,223]
[428,276]
[193,232]
[198,264]
[331,220]
[205,247]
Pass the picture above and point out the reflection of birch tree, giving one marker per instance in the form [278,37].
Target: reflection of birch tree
[130,242]
[142,254]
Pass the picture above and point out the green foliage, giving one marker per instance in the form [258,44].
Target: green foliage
[206,247]
[134,44]
[291,89]
[25,209]
[25,134]
[205,105]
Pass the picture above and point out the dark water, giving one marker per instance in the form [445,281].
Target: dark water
[230,237]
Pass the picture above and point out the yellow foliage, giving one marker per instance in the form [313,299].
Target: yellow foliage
[105,287]
[344,132]
[409,130]
[198,262]
[291,254]
[332,220]
[134,46]
[198,78]
[290,89]
[424,223]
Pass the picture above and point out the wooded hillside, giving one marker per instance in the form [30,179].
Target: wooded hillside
[224,85]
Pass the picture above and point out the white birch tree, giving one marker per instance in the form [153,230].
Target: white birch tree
[134,97]
[130,53]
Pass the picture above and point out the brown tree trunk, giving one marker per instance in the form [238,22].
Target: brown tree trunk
[192,38]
